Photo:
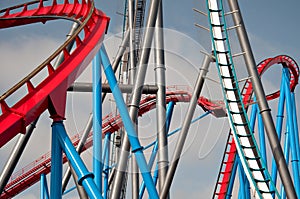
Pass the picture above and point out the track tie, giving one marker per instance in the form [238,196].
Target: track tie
[222,52]
[249,147]
[238,113]
[255,158]
[260,169]
[212,10]
[242,136]
[227,77]
[230,89]
[217,25]
[219,39]
[242,124]
[266,181]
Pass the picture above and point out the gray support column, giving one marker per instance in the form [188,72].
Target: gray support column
[136,97]
[262,101]
[160,80]
[132,73]
[15,156]
[81,192]
[185,126]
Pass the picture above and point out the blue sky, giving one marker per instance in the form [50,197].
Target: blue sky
[272,26]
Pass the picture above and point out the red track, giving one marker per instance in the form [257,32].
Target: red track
[51,92]
[30,174]
[230,151]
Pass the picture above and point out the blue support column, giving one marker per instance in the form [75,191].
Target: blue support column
[279,122]
[97,121]
[293,144]
[286,156]
[137,149]
[169,114]
[85,178]
[44,193]
[231,182]
[105,159]
[262,140]
[294,108]
[242,194]
[56,165]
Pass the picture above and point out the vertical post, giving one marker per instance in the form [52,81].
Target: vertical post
[295,122]
[279,122]
[44,194]
[97,121]
[136,97]
[106,165]
[231,182]
[286,155]
[132,74]
[131,134]
[186,125]
[262,102]
[160,79]
[242,194]
[292,134]
[56,165]
[262,142]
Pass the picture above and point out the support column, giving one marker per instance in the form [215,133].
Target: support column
[44,194]
[163,157]
[131,135]
[136,97]
[262,102]
[97,121]
[132,74]
[185,127]
[15,156]
[56,165]
[79,148]
[85,178]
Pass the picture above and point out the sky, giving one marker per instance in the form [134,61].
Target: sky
[272,28]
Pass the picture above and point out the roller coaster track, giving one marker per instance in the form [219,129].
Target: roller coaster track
[50,93]
[225,173]
[243,137]
[30,174]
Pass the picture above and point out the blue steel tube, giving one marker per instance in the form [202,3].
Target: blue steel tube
[106,164]
[231,182]
[294,148]
[85,178]
[242,194]
[279,121]
[97,121]
[137,149]
[262,140]
[42,193]
[294,108]
[56,164]
[44,187]
[286,155]
[169,114]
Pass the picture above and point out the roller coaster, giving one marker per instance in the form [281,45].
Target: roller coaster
[252,166]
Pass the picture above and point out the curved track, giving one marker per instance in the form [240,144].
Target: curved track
[30,174]
[225,173]
[246,146]
[51,92]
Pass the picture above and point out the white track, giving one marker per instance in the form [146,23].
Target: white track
[236,121]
